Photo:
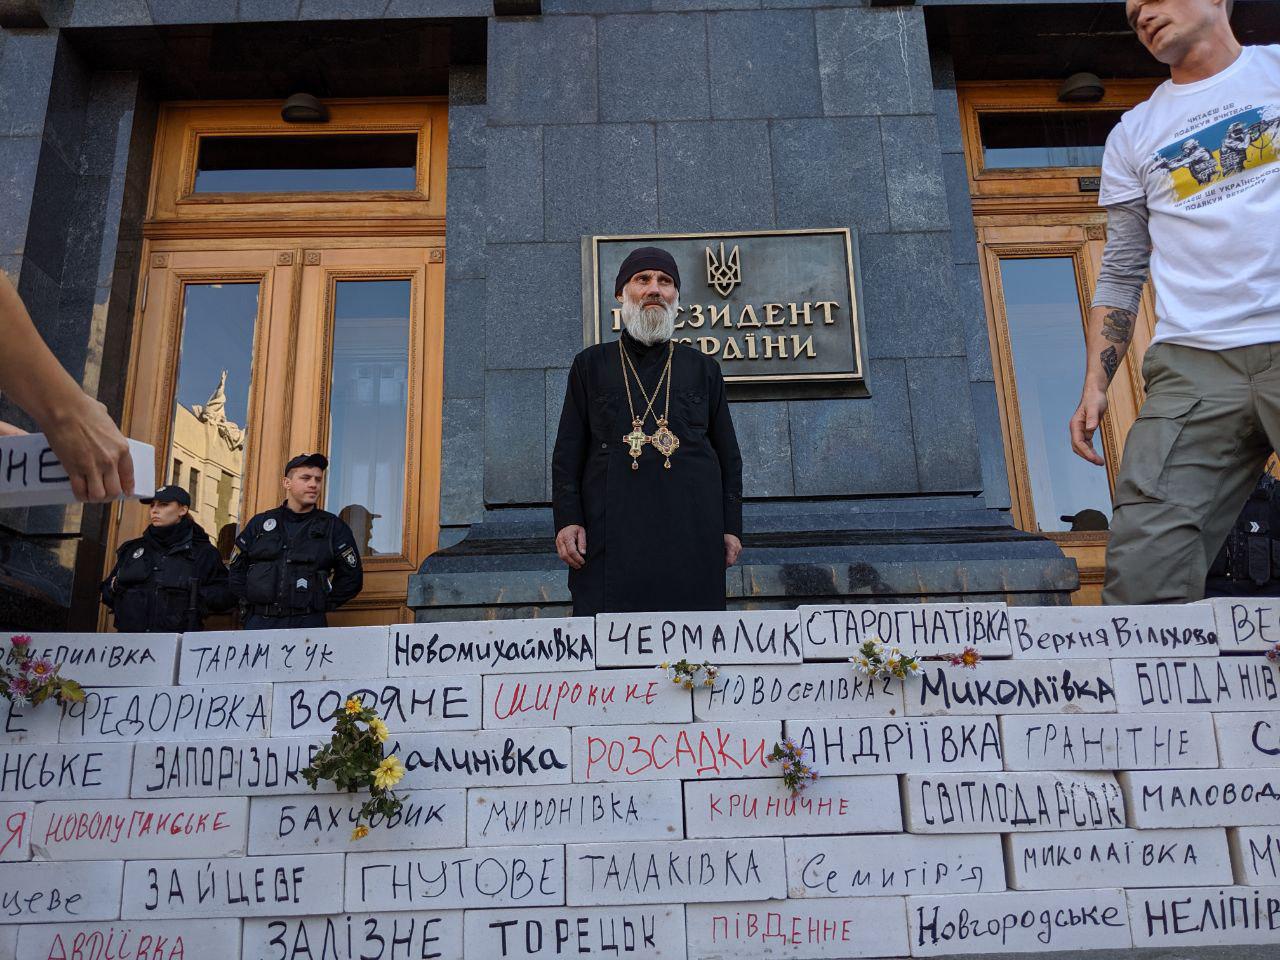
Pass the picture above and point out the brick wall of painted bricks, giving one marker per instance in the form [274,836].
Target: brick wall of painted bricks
[1106,777]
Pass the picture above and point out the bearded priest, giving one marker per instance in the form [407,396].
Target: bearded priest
[646,476]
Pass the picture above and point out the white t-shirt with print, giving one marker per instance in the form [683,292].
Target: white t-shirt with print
[1206,156]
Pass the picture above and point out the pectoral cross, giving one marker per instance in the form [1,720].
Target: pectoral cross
[636,441]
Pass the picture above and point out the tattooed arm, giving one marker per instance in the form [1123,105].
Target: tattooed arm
[1124,270]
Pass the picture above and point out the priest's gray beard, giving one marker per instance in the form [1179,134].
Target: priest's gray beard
[654,323]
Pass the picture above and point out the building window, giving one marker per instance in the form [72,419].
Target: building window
[1047,138]
[176,476]
[307,163]
[193,487]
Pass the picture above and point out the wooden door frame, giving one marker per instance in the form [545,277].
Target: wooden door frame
[297,230]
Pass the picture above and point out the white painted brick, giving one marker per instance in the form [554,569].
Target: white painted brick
[1247,625]
[254,656]
[828,691]
[907,745]
[533,756]
[1221,685]
[1255,853]
[60,892]
[1117,858]
[223,768]
[893,865]
[1012,802]
[233,887]
[766,808]
[140,939]
[323,823]
[1160,630]
[681,871]
[734,636]
[1204,916]
[574,699]
[641,932]
[88,772]
[838,929]
[356,936]
[922,629]
[139,829]
[110,659]
[29,724]
[455,879]
[9,942]
[127,714]
[1201,798]
[994,923]
[15,831]
[573,813]
[536,645]
[1011,686]
[1248,740]
[1126,741]
[407,706]
[674,751]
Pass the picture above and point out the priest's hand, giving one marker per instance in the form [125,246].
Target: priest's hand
[571,545]
[732,547]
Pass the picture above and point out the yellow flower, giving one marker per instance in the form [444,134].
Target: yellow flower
[354,706]
[389,773]
[378,729]
[360,832]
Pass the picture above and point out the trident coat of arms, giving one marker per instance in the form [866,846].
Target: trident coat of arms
[724,272]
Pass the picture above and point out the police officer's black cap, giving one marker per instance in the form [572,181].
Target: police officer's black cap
[307,460]
[170,494]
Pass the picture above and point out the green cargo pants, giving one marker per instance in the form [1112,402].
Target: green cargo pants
[1210,420]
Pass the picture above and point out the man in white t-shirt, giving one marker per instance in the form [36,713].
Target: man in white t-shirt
[1191,184]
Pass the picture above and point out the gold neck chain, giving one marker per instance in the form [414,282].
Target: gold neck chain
[663,440]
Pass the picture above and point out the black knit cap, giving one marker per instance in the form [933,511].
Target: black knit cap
[646,258]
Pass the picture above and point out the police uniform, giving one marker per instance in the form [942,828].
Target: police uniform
[291,568]
[168,579]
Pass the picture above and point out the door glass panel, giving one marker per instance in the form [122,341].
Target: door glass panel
[211,404]
[368,411]
[1046,334]
[1069,138]
[307,163]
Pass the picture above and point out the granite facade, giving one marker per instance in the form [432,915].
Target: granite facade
[599,116]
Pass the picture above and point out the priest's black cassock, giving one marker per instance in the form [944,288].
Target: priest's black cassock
[655,537]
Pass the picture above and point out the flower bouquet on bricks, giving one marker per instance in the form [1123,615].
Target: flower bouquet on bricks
[27,681]
[353,760]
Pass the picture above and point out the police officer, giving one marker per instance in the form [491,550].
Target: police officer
[171,577]
[295,562]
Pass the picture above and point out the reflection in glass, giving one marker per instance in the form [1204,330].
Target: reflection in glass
[211,405]
[368,411]
[307,163]
[1046,335]
[1073,138]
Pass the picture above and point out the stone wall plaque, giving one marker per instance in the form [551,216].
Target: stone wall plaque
[322,823]
[922,629]
[110,659]
[232,887]
[355,936]
[893,864]
[766,808]
[836,929]
[255,656]
[1117,858]
[1126,741]
[684,871]
[573,813]
[638,932]
[28,724]
[672,751]
[1248,740]
[492,646]
[131,940]
[1176,685]
[827,691]
[127,714]
[56,772]
[742,636]
[1205,916]
[60,892]
[636,696]
[906,745]
[1201,798]
[453,879]
[1011,686]
[1012,802]
[1256,854]
[484,758]
[1018,922]
[776,308]
[1170,630]
[15,831]
[1247,624]
[222,768]
[139,829]
[409,705]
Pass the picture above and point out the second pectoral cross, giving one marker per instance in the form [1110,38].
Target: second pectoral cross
[636,440]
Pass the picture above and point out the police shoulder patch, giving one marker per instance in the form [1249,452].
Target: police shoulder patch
[269,524]
[349,555]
